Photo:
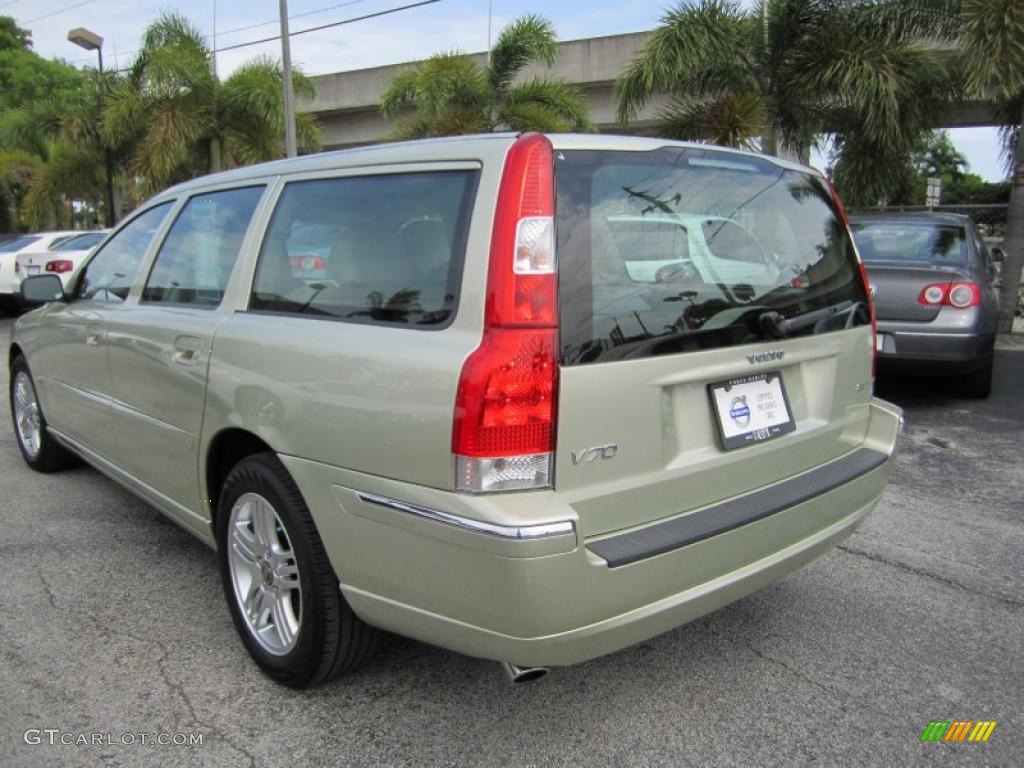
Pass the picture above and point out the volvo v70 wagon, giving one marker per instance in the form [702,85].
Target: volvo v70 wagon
[531,398]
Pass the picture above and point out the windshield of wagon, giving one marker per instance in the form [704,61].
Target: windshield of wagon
[687,248]
[910,241]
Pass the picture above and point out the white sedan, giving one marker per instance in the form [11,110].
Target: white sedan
[61,259]
[10,278]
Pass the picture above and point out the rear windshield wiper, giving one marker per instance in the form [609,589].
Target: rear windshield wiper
[777,325]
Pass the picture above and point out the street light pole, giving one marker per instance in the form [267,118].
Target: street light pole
[289,95]
[90,41]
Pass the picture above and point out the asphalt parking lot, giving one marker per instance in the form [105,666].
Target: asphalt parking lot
[112,621]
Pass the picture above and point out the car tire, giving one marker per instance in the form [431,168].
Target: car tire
[39,448]
[979,383]
[295,623]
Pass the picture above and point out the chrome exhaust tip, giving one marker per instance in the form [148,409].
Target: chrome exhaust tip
[518,675]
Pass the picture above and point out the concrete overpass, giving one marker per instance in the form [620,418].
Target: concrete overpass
[347,103]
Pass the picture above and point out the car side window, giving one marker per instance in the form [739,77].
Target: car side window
[196,258]
[110,273]
[383,249]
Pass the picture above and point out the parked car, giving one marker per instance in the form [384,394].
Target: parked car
[62,259]
[478,424]
[9,277]
[936,295]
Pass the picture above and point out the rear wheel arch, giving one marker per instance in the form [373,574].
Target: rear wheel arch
[14,353]
[227,448]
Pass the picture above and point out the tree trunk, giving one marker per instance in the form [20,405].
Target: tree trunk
[770,142]
[1013,242]
[216,162]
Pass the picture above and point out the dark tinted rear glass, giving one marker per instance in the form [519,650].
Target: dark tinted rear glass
[681,249]
[910,241]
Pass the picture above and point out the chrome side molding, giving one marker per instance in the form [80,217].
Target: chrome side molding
[540,531]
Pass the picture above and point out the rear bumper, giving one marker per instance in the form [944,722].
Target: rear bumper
[923,351]
[553,600]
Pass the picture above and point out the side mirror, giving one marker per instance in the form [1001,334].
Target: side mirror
[40,289]
[997,254]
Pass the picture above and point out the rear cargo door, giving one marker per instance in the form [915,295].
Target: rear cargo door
[743,359]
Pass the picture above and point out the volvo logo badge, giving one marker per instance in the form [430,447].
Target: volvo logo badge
[739,411]
[765,357]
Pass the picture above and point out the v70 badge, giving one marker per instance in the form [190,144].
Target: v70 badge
[593,454]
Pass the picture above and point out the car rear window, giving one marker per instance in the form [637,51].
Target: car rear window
[80,242]
[681,249]
[910,241]
[382,249]
[18,243]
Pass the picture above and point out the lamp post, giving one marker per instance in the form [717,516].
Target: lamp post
[90,41]
[289,95]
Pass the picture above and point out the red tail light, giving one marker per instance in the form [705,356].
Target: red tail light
[504,430]
[868,294]
[60,265]
[958,295]
[874,318]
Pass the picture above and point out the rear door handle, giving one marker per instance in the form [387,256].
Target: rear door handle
[186,349]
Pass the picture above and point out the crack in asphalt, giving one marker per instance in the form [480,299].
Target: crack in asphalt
[165,677]
[929,575]
[767,657]
[48,589]
[832,693]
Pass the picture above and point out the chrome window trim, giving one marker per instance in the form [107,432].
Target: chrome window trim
[543,530]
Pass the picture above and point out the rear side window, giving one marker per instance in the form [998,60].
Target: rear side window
[111,271]
[380,249]
[910,241]
[682,249]
[198,254]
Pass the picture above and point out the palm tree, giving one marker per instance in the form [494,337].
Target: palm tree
[992,52]
[182,121]
[17,168]
[778,75]
[62,135]
[450,94]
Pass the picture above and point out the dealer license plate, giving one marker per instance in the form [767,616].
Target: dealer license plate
[751,409]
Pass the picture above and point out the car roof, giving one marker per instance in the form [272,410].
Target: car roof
[453,148]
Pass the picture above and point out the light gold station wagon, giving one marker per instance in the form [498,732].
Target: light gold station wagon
[530,398]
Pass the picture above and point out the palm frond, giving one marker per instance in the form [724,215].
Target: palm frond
[167,153]
[564,101]
[125,114]
[731,119]
[527,39]
[695,44]
[888,87]
[400,93]
[71,172]
[902,20]
[432,87]
[532,116]
[992,47]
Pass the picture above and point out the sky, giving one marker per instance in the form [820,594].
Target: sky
[404,36]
